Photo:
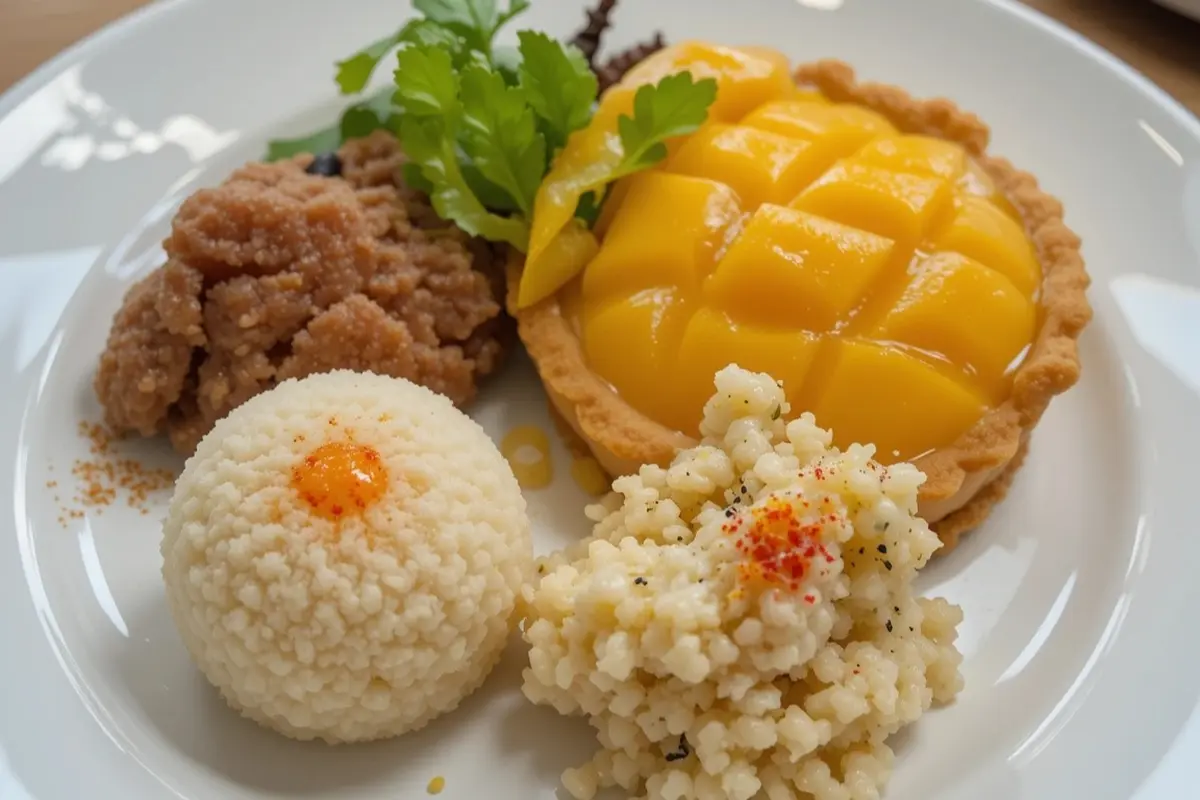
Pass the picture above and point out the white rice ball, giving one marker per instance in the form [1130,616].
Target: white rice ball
[343,555]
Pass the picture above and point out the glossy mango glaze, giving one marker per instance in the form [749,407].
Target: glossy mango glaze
[880,276]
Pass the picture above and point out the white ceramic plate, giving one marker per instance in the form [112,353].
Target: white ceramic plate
[1082,657]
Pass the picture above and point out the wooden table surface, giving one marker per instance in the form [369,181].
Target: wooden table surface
[1163,45]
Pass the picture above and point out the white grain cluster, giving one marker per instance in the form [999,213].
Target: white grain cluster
[368,627]
[703,685]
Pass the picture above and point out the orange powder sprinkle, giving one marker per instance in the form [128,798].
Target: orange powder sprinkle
[104,477]
[779,549]
[340,479]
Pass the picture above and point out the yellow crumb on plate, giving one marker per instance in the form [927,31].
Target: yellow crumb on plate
[436,785]
[589,476]
[527,450]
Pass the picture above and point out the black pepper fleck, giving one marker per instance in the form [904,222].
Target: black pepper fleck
[882,548]
[683,752]
[640,581]
[889,626]
[327,164]
[887,565]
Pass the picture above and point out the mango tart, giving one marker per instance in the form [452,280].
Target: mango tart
[856,243]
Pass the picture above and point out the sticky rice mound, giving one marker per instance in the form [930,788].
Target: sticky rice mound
[743,623]
[361,622]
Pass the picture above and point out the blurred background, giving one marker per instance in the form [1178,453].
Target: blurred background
[1163,44]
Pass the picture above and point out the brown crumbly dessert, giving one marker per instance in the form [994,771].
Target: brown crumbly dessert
[278,273]
[964,480]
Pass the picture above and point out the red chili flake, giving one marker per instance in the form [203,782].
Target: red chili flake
[779,547]
[810,599]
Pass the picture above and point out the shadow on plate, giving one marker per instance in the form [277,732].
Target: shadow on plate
[496,728]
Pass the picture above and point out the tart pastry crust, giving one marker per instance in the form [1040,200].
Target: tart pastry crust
[964,480]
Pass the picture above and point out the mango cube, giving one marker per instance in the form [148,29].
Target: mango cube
[918,155]
[746,77]
[984,342]
[878,394]
[793,270]
[842,129]
[666,233]
[898,205]
[983,232]
[713,341]
[762,167]
[633,343]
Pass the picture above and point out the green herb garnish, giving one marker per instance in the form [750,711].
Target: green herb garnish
[434,124]
[558,84]
[675,106]
[481,123]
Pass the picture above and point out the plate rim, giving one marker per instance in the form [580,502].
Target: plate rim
[110,35]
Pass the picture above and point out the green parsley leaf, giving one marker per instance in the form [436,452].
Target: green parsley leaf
[500,135]
[515,8]
[429,143]
[354,73]
[492,196]
[507,61]
[476,21]
[589,207]
[426,82]
[357,120]
[559,85]
[675,106]
[428,32]
[322,141]
[414,178]
[367,117]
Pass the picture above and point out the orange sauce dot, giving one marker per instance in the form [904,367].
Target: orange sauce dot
[340,479]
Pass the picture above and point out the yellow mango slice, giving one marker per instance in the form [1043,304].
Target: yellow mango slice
[567,255]
[713,341]
[959,309]
[793,270]
[762,167]
[632,343]
[877,394]
[746,77]
[898,205]
[666,233]
[988,235]
[844,129]
[920,155]
[612,204]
